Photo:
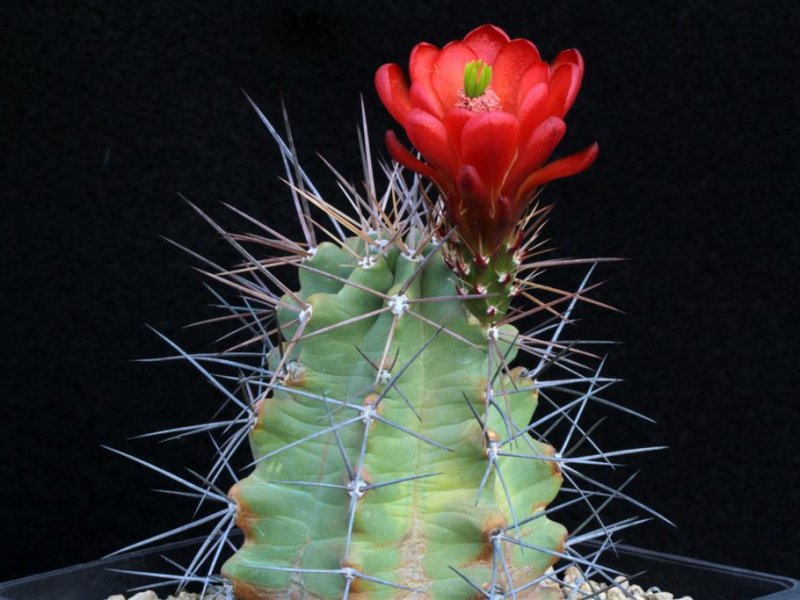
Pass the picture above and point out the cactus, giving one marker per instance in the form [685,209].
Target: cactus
[383,450]
[402,428]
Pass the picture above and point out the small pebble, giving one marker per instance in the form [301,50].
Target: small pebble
[572,575]
[615,594]
[636,590]
[148,595]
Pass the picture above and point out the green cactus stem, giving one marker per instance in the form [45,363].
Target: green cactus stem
[380,460]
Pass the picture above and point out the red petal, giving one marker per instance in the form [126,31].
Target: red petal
[420,68]
[502,216]
[448,72]
[537,150]
[502,226]
[489,143]
[420,63]
[532,110]
[474,208]
[429,136]
[401,154]
[454,121]
[537,73]
[470,184]
[485,217]
[486,41]
[510,65]
[563,167]
[425,98]
[393,91]
[564,86]
[571,56]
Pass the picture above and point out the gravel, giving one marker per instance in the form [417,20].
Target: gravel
[151,595]
[573,586]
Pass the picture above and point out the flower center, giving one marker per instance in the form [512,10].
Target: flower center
[476,95]
[488,101]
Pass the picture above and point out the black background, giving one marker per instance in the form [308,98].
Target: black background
[110,109]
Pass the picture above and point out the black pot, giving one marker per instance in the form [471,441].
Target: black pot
[682,576]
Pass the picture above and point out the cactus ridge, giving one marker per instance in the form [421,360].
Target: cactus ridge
[398,451]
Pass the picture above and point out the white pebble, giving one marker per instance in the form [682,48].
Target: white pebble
[572,575]
[615,594]
[622,581]
[148,595]
[636,590]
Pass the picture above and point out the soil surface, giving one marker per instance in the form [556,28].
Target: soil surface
[151,595]
[573,587]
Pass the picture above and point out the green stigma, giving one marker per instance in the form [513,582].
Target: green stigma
[477,75]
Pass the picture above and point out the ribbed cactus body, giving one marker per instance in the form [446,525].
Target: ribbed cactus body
[376,468]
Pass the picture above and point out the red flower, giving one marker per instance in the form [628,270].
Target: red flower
[486,154]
